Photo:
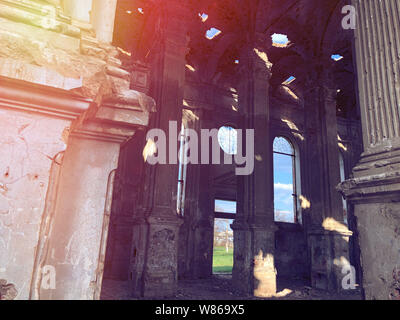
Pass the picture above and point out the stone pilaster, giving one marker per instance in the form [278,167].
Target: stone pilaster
[103,18]
[328,236]
[96,14]
[70,107]
[153,269]
[375,187]
[35,122]
[78,9]
[199,211]
[76,236]
[254,228]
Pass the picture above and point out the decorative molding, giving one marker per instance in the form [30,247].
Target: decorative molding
[30,97]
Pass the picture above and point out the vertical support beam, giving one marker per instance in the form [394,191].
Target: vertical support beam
[196,248]
[254,228]
[76,241]
[100,13]
[103,18]
[328,236]
[77,230]
[203,220]
[78,9]
[374,190]
[154,258]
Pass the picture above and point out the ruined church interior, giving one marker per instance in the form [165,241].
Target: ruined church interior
[306,93]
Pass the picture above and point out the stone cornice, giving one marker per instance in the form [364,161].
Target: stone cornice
[44,16]
[30,97]
[372,188]
[115,118]
[37,38]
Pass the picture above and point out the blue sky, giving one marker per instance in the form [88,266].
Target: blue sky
[283,190]
[283,177]
[225,206]
[221,225]
[283,186]
[280,38]
[212,32]
[336,57]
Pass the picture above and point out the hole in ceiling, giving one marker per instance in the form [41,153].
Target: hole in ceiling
[289,80]
[336,57]
[280,40]
[203,16]
[212,33]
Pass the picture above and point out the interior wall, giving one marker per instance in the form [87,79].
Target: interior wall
[124,205]
[292,260]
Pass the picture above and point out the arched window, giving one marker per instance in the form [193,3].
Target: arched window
[180,199]
[343,178]
[227,138]
[285,176]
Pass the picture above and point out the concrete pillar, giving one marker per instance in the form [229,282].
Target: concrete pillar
[374,191]
[33,138]
[100,13]
[153,270]
[328,235]
[78,9]
[199,210]
[76,236]
[254,228]
[103,18]
[128,181]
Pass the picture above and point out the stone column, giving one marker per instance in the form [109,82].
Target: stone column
[328,236]
[199,210]
[103,18]
[76,234]
[99,13]
[33,139]
[375,189]
[78,9]
[153,270]
[254,228]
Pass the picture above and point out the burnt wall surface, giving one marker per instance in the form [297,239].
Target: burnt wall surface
[291,252]
[380,249]
[125,197]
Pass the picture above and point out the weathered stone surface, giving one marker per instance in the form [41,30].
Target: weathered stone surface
[374,189]
[379,249]
[7,291]
[28,152]
[47,57]
[39,190]
[60,152]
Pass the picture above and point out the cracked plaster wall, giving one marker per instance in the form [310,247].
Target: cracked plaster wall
[28,143]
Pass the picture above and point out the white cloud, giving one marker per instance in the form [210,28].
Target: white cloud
[283,212]
[282,186]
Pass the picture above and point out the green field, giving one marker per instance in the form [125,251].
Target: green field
[222,261]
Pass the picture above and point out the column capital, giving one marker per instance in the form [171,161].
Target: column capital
[116,117]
